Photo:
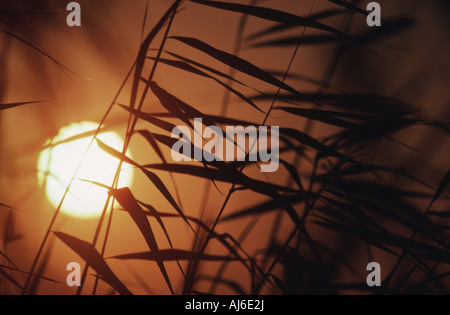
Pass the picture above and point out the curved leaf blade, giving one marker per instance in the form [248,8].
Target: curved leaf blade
[130,204]
[269,14]
[235,62]
[93,258]
[173,255]
[12,105]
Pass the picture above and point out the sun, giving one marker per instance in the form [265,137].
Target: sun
[58,163]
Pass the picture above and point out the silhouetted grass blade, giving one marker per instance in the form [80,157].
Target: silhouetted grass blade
[442,187]
[12,105]
[173,255]
[207,68]
[210,119]
[151,140]
[8,259]
[293,172]
[267,206]
[151,119]
[440,214]
[169,142]
[36,48]
[140,60]
[222,176]
[369,37]
[162,188]
[280,284]
[270,30]
[93,258]
[34,286]
[349,5]
[129,203]
[292,41]
[155,214]
[350,213]
[150,175]
[235,62]
[363,104]
[283,27]
[386,202]
[5,275]
[27,273]
[168,101]
[221,238]
[115,153]
[5,206]
[269,14]
[186,67]
[377,127]
[327,117]
[386,30]
[309,141]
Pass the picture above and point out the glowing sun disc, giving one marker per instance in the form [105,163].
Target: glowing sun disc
[57,165]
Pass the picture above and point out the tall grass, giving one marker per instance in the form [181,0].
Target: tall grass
[332,190]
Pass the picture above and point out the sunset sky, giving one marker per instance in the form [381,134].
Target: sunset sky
[73,74]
